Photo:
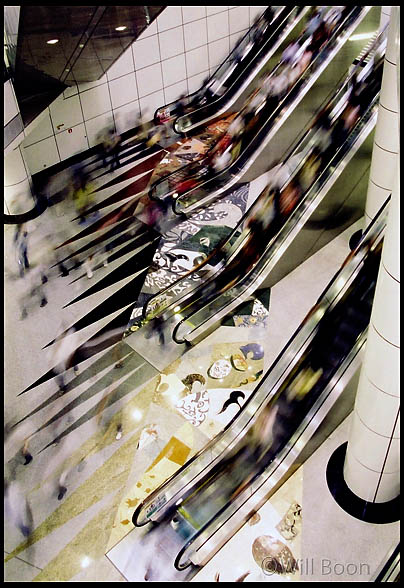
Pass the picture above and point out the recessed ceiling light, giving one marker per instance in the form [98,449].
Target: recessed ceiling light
[53,41]
[120,28]
[81,45]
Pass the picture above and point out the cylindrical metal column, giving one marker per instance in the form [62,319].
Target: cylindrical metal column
[385,146]
[363,474]
[385,16]
[371,468]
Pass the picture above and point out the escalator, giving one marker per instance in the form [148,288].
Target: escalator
[234,75]
[211,497]
[203,186]
[247,256]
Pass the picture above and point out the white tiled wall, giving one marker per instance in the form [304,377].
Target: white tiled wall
[175,54]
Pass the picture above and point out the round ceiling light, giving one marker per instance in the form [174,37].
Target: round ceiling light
[52,41]
[120,28]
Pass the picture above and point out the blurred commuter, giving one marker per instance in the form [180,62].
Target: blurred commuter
[115,147]
[17,509]
[323,135]
[35,281]
[83,198]
[155,135]
[21,245]
[16,441]
[332,17]
[261,25]
[220,161]
[318,39]
[158,327]
[88,266]
[182,104]
[111,143]
[277,87]
[236,148]
[59,189]
[345,124]
[58,466]
[143,126]
[255,104]
[308,173]
[291,53]
[236,127]
[61,353]
[289,197]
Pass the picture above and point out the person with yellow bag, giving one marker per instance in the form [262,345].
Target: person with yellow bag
[83,198]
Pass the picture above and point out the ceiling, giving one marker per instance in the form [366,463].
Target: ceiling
[88,44]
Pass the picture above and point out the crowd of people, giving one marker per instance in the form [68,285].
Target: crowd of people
[287,187]
[214,86]
[272,87]
[280,418]
[274,205]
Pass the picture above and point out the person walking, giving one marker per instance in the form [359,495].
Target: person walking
[16,440]
[159,329]
[17,509]
[21,244]
[83,198]
[62,353]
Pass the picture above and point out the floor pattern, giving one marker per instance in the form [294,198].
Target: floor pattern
[165,417]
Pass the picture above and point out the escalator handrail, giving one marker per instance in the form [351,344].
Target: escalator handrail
[309,323]
[275,466]
[294,218]
[256,62]
[226,241]
[273,72]
[222,65]
[256,143]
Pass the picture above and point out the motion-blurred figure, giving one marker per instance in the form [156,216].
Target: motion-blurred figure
[158,326]
[58,466]
[59,189]
[61,353]
[83,198]
[308,172]
[17,509]
[290,53]
[35,289]
[16,441]
[21,245]
[182,104]
[289,197]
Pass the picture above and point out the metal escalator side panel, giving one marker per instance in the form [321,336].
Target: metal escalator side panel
[201,318]
[172,491]
[170,109]
[207,192]
[285,24]
[167,296]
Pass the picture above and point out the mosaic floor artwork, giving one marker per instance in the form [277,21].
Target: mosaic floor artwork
[254,313]
[183,246]
[193,148]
